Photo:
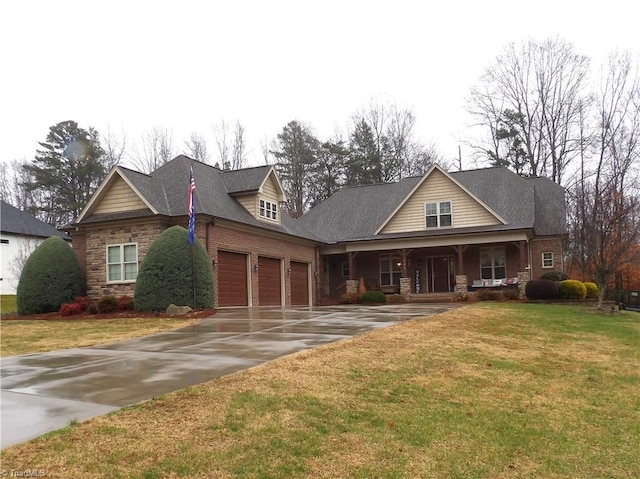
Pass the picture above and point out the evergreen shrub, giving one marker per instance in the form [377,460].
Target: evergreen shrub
[488,295]
[396,299]
[167,274]
[592,290]
[542,289]
[350,298]
[554,276]
[511,294]
[50,277]
[107,304]
[572,289]
[373,297]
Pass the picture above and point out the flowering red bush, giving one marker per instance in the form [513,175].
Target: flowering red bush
[69,309]
[125,303]
[83,301]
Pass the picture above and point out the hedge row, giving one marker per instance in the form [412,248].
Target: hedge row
[567,289]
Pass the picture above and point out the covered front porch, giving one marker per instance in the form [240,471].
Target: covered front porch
[423,269]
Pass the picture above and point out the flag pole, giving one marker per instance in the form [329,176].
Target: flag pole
[191,233]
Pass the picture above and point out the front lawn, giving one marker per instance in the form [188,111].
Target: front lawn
[38,336]
[8,304]
[490,390]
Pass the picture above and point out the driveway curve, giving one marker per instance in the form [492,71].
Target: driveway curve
[44,392]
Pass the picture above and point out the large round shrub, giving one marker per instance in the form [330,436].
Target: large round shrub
[541,289]
[167,274]
[572,289]
[592,290]
[50,277]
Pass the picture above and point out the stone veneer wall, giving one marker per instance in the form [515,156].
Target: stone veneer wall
[96,240]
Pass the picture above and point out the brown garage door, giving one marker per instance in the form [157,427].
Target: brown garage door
[269,281]
[299,284]
[232,279]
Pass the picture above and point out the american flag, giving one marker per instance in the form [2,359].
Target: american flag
[191,207]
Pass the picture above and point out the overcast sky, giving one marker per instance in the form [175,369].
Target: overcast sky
[185,65]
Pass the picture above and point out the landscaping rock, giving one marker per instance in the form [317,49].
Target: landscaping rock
[174,310]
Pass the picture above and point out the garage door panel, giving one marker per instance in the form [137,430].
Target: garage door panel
[269,281]
[299,284]
[232,279]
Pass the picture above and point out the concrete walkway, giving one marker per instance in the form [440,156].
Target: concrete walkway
[44,392]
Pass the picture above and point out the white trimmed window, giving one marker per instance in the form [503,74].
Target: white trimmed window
[268,210]
[390,269]
[438,215]
[493,264]
[122,262]
[547,259]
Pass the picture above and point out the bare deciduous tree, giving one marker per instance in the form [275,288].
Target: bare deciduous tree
[197,147]
[114,146]
[231,146]
[533,95]
[155,150]
[605,204]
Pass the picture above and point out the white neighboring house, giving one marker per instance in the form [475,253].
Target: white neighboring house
[20,234]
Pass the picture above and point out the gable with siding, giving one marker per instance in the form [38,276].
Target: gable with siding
[119,197]
[437,186]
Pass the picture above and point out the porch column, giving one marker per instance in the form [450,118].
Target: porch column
[352,282]
[460,249]
[522,245]
[523,279]
[405,267]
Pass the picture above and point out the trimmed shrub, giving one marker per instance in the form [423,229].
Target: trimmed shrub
[168,271]
[511,294]
[350,298]
[396,299]
[554,276]
[541,289]
[572,289]
[107,304]
[125,303]
[488,295]
[83,301]
[372,296]
[50,277]
[70,309]
[592,290]
[92,309]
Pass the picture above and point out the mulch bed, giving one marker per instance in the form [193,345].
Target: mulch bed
[202,313]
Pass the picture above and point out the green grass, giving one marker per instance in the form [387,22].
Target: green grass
[491,390]
[8,304]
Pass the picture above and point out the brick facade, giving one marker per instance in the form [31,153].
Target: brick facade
[91,247]
[260,243]
[546,245]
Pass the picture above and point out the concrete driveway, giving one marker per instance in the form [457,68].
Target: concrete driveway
[44,392]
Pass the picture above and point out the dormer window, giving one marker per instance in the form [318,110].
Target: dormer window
[438,215]
[268,210]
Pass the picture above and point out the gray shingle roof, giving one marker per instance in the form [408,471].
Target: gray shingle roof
[358,212]
[166,190]
[18,222]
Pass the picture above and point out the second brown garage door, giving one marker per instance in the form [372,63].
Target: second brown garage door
[269,282]
[299,284]
[232,279]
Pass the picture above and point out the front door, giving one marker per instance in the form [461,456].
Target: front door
[440,274]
